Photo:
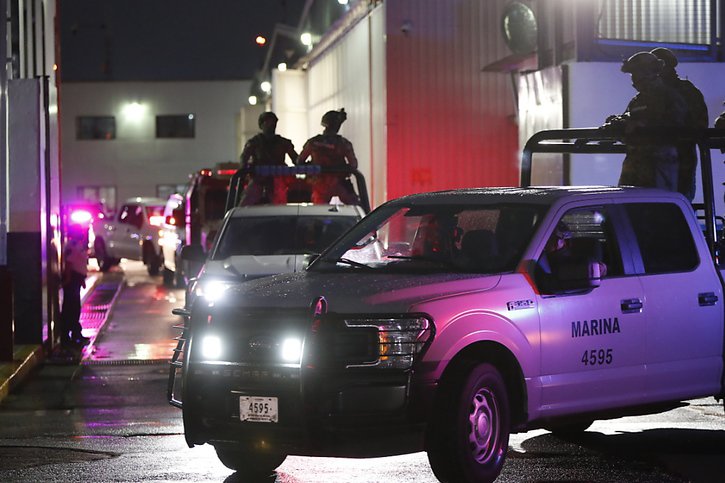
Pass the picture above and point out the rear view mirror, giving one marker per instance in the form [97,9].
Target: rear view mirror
[178,215]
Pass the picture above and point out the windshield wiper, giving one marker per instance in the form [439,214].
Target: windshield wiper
[347,261]
[445,263]
[232,269]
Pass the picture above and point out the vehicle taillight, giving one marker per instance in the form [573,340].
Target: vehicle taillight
[156,220]
[225,172]
[170,220]
[81,216]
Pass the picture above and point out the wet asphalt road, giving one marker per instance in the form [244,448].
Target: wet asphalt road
[108,420]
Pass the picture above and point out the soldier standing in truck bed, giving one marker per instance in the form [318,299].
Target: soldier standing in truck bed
[697,118]
[331,149]
[656,104]
[266,148]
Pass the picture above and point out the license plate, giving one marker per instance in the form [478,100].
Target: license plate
[258,409]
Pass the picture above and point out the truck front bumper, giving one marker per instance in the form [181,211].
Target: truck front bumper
[358,412]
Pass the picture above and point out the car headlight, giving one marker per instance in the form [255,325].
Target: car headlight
[212,290]
[291,350]
[211,347]
[399,340]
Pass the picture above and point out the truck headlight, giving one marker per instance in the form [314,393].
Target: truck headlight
[399,340]
[291,350]
[212,290]
[211,347]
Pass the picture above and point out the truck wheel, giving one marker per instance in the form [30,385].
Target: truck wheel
[250,462]
[151,259]
[104,262]
[168,277]
[468,439]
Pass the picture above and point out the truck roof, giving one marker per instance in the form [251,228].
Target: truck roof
[543,195]
[295,209]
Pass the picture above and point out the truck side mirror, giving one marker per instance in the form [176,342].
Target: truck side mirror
[193,253]
[176,218]
[578,274]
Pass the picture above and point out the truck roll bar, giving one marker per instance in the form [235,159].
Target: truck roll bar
[237,180]
[607,140]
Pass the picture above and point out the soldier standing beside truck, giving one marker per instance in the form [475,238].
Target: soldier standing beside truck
[266,148]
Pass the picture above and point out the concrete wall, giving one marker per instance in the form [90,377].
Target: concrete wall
[136,162]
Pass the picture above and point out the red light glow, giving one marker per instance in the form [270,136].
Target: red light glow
[225,172]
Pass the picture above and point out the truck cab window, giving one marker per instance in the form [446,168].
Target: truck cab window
[581,234]
[664,237]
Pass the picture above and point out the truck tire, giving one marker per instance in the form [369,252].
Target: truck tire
[151,259]
[104,261]
[467,440]
[168,277]
[248,462]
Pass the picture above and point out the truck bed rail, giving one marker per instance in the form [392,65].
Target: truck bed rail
[236,183]
[609,140]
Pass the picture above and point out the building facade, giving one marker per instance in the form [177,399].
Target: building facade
[126,139]
[442,94]
[29,176]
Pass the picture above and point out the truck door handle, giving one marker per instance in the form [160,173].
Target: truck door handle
[631,305]
[706,298]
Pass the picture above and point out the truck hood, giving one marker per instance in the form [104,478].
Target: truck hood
[354,292]
[250,267]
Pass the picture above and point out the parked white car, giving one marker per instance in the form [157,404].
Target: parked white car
[132,233]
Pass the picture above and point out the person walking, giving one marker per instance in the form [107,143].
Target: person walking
[266,148]
[75,269]
[331,149]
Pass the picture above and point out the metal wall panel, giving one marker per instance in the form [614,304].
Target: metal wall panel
[449,125]
[341,79]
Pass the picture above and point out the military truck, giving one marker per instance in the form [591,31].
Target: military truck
[434,325]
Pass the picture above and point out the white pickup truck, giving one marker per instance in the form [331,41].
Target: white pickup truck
[442,322]
[132,233]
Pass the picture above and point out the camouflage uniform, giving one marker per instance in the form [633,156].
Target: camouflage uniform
[266,148]
[697,118]
[331,149]
[656,105]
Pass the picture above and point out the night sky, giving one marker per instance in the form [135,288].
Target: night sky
[147,40]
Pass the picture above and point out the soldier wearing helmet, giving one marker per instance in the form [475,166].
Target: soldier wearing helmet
[266,148]
[697,118]
[331,149]
[655,105]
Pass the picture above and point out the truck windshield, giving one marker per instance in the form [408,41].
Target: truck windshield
[437,238]
[280,235]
